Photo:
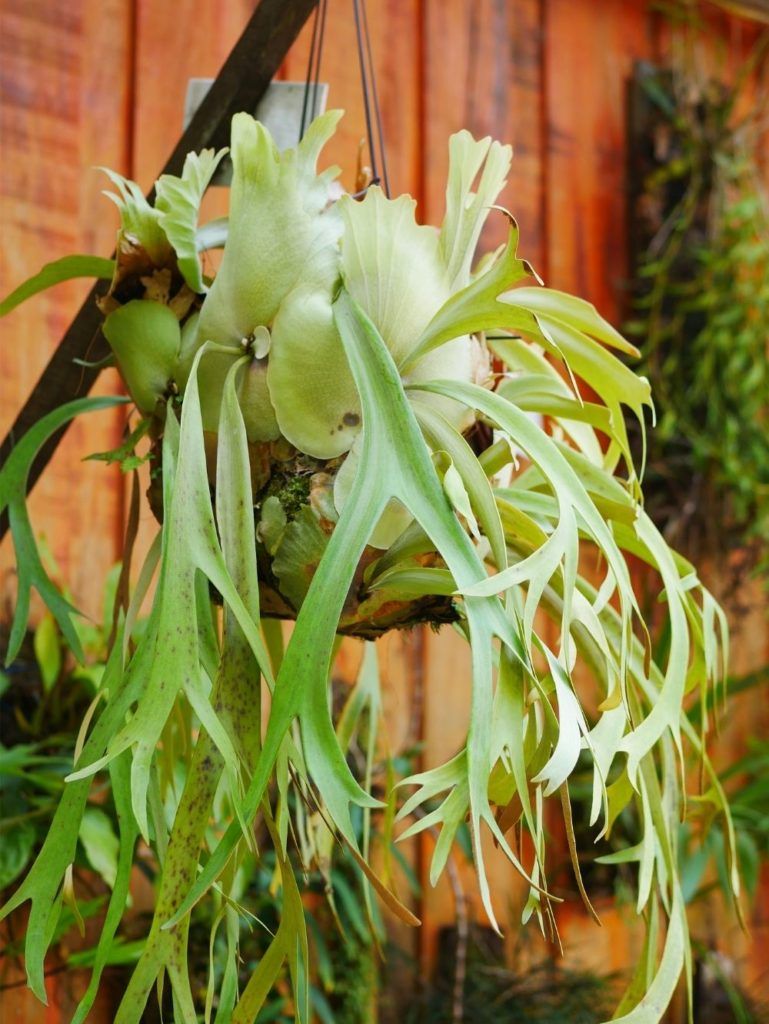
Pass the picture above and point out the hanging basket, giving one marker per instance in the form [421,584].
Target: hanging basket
[308,410]
[156,321]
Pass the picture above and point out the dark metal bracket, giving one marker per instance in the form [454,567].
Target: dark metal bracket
[240,85]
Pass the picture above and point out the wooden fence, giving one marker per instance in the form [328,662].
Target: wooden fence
[102,82]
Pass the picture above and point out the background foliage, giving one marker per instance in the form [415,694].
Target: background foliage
[702,316]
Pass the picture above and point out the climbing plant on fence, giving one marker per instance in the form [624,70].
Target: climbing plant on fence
[702,310]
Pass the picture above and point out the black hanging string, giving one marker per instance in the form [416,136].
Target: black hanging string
[375,97]
[373,115]
[370,96]
[312,81]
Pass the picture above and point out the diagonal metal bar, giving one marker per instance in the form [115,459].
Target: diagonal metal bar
[240,85]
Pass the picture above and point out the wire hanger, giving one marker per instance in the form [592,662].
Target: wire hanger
[312,80]
[371,109]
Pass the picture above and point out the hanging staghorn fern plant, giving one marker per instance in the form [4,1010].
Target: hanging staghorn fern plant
[308,412]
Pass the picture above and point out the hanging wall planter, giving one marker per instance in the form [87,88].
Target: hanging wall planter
[306,413]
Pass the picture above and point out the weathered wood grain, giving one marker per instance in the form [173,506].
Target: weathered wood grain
[64,89]
[482,70]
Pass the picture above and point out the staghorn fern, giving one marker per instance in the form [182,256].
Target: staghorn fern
[324,387]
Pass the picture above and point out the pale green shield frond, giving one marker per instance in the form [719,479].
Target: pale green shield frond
[463,359]
[392,267]
[256,406]
[311,388]
[278,225]
[252,390]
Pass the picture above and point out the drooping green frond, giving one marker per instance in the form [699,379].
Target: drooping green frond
[43,884]
[13,493]
[395,463]
[66,269]
[191,545]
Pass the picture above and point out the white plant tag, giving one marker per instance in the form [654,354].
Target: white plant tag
[280,110]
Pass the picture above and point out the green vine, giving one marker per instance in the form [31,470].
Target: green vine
[702,318]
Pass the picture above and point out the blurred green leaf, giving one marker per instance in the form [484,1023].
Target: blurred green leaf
[47,645]
[16,846]
[65,269]
[100,843]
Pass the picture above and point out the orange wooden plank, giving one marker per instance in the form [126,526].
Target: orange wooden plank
[65,92]
[175,42]
[591,48]
[482,71]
